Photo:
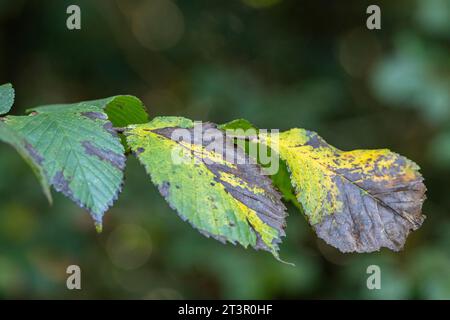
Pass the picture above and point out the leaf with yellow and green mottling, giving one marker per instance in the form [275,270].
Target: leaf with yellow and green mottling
[218,190]
[358,200]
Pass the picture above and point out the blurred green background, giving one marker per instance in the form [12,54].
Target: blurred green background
[278,63]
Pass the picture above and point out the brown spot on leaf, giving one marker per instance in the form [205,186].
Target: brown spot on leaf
[61,184]
[108,126]
[33,153]
[164,189]
[117,160]
[315,141]
[94,115]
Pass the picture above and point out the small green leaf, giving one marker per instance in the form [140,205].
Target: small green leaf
[230,201]
[81,154]
[283,183]
[122,110]
[6,98]
[28,153]
[358,200]
[237,124]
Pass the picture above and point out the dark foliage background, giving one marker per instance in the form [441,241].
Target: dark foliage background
[278,63]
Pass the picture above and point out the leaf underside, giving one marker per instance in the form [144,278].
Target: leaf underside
[76,149]
[357,201]
[227,200]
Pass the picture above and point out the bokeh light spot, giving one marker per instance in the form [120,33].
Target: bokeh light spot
[129,246]
[158,25]
[358,50]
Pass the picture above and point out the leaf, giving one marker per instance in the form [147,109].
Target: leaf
[224,199]
[28,153]
[121,110]
[6,98]
[283,182]
[358,200]
[237,124]
[82,155]
[281,179]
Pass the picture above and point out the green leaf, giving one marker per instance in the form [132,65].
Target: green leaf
[281,179]
[28,153]
[283,183]
[121,110]
[237,124]
[358,200]
[230,201]
[6,98]
[82,155]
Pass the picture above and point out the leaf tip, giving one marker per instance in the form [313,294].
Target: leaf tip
[277,256]
[48,195]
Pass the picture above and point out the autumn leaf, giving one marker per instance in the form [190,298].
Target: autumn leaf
[358,200]
[227,200]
